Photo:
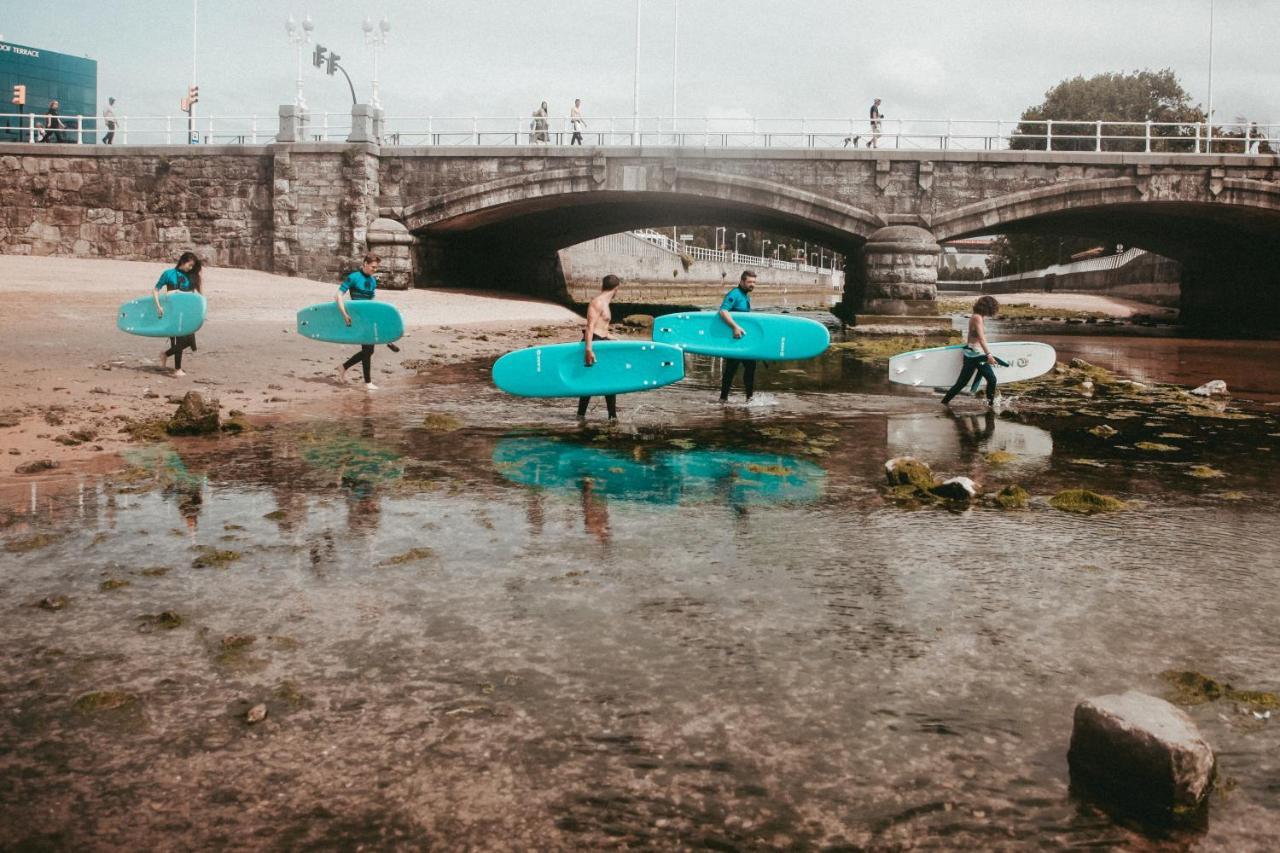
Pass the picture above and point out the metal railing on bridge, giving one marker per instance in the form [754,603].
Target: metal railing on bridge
[1169,138]
[699,253]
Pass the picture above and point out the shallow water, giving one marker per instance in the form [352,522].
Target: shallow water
[703,628]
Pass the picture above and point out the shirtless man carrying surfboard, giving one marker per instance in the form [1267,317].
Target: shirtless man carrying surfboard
[598,318]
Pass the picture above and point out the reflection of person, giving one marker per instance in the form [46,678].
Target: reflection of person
[539,123]
[977,355]
[874,141]
[973,436]
[595,512]
[359,285]
[738,299]
[598,318]
[184,276]
[577,122]
[109,118]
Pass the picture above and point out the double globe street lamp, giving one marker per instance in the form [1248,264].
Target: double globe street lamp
[299,35]
[375,37]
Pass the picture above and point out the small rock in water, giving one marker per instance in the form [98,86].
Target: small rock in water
[956,489]
[638,321]
[909,471]
[1214,388]
[36,466]
[1141,753]
[52,602]
[256,714]
[195,416]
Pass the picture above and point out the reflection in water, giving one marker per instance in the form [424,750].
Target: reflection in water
[666,476]
[962,436]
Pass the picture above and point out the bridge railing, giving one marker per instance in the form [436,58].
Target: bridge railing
[697,132]
[699,253]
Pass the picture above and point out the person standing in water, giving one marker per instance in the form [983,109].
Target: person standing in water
[358,286]
[598,318]
[184,276]
[977,355]
[738,299]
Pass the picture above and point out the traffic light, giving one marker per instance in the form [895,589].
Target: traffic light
[317,56]
[193,94]
[333,63]
[20,94]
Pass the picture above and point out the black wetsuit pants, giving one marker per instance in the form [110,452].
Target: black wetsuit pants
[365,357]
[974,364]
[731,369]
[176,346]
[610,400]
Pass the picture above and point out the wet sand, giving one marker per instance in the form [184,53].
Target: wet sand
[67,369]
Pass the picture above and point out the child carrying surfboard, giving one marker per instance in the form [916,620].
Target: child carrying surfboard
[977,354]
[185,276]
[359,285]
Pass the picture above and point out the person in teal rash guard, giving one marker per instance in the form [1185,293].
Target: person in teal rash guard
[738,299]
[358,286]
[184,276]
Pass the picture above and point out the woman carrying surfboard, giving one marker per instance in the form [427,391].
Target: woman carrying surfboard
[184,276]
[359,285]
[977,355]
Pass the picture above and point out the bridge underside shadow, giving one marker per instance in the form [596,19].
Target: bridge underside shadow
[1230,255]
[514,246]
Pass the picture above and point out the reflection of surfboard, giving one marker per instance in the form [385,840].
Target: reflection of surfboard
[769,337]
[558,370]
[371,323]
[666,477]
[184,313]
[938,440]
[939,367]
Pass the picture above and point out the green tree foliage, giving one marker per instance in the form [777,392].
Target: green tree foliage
[1135,98]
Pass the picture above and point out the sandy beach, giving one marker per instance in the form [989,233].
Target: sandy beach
[68,370]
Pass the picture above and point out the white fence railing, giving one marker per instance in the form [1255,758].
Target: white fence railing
[699,253]
[1109,262]
[708,132]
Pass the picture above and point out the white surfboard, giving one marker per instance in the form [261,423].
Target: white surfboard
[939,367]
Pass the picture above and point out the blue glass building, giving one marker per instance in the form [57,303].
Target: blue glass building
[48,76]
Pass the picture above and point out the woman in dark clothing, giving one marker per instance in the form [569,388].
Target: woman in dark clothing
[184,276]
[360,284]
[977,355]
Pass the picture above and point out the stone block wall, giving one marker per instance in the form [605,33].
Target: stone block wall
[149,204]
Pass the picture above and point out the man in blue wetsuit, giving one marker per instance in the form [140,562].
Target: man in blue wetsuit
[738,299]
[359,285]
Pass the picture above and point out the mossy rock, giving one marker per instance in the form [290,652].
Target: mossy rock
[107,701]
[1194,688]
[784,433]
[413,555]
[111,584]
[1084,502]
[1103,431]
[166,620]
[30,543]
[276,515]
[214,558]
[1156,447]
[907,470]
[151,429]
[1204,472]
[1000,457]
[440,422]
[1012,497]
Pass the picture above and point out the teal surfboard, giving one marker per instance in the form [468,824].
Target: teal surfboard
[371,323]
[769,337]
[667,477]
[184,313]
[558,370]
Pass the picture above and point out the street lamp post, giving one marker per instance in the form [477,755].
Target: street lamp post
[764,243]
[720,238]
[376,37]
[299,34]
[735,244]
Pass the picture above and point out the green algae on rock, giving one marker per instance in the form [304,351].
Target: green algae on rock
[111,584]
[440,422]
[106,701]
[1204,472]
[1156,447]
[1194,688]
[908,470]
[1000,457]
[410,556]
[30,543]
[213,558]
[166,620]
[1012,497]
[1103,431]
[879,349]
[1084,502]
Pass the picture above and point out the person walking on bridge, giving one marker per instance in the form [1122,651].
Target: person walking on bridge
[577,122]
[539,124]
[739,300]
[874,141]
[109,119]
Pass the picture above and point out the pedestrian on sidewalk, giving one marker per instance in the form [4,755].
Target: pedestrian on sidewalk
[109,117]
[577,122]
[539,124]
[53,125]
[874,141]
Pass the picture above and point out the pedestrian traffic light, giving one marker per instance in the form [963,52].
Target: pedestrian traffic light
[333,63]
[193,94]
[20,94]
[317,56]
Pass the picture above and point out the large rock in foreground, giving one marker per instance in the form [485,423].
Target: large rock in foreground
[1141,753]
[195,416]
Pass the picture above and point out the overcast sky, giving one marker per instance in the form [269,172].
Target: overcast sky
[817,58]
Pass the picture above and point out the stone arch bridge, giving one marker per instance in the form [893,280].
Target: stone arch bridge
[495,217]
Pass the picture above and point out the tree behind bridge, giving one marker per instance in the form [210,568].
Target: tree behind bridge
[1074,106]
